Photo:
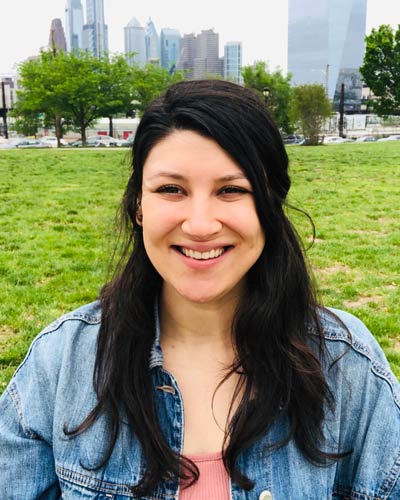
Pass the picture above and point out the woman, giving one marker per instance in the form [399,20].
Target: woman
[207,369]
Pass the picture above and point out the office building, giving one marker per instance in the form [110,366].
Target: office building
[152,42]
[199,55]
[207,61]
[74,24]
[233,62]
[95,31]
[326,45]
[57,40]
[188,54]
[135,41]
[170,48]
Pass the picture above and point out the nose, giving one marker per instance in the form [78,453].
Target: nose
[200,220]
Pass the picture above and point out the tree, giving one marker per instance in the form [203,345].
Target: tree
[78,88]
[117,87]
[257,77]
[310,109]
[381,68]
[66,85]
[29,106]
[149,82]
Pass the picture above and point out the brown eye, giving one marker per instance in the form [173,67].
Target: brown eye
[170,189]
[233,190]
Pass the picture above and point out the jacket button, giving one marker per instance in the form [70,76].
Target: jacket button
[265,495]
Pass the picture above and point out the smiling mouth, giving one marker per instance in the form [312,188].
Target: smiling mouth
[194,254]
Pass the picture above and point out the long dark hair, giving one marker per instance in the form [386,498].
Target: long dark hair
[271,329]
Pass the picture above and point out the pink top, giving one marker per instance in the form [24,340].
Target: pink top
[213,481]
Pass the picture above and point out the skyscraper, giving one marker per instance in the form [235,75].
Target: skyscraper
[152,42]
[57,36]
[74,24]
[326,45]
[135,41]
[207,61]
[95,31]
[233,61]
[170,47]
[188,54]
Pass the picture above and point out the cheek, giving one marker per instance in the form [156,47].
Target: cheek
[158,219]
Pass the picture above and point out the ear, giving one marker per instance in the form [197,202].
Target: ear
[139,214]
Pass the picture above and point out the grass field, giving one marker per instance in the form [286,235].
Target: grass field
[57,211]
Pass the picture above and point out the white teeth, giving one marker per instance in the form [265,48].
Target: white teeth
[194,254]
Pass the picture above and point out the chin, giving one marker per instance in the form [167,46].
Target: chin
[205,295]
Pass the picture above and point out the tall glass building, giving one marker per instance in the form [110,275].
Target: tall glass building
[74,24]
[233,61]
[57,36]
[95,31]
[152,42]
[170,48]
[326,45]
[135,41]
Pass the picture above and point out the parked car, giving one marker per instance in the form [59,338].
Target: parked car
[13,143]
[390,138]
[32,143]
[105,140]
[367,138]
[335,140]
[292,139]
[91,142]
[52,141]
[124,143]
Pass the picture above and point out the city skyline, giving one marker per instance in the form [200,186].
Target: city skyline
[262,29]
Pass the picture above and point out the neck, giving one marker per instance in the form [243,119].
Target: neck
[195,323]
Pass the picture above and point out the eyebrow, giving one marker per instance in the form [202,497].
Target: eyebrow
[179,177]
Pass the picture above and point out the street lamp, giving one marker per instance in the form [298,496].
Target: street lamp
[266,91]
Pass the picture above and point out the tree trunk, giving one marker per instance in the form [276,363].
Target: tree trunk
[58,130]
[341,111]
[83,135]
[110,128]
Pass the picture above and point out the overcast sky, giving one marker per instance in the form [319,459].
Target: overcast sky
[261,25]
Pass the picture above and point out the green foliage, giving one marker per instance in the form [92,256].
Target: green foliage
[79,88]
[149,82]
[57,209]
[310,108]
[258,76]
[381,69]
[116,86]
[63,84]
[27,124]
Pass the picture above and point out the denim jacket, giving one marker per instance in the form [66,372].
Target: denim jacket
[54,386]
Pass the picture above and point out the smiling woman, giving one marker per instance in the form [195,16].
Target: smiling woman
[206,370]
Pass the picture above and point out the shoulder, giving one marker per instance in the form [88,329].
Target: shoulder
[351,346]
[68,345]
[72,329]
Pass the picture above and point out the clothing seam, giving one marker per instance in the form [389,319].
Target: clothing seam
[376,367]
[391,479]
[16,400]
[56,325]
[99,485]
[351,494]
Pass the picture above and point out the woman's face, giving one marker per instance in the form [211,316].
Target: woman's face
[200,226]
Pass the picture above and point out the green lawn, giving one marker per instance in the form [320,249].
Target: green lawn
[57,233]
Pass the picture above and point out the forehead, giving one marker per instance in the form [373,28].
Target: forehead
[186,152]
